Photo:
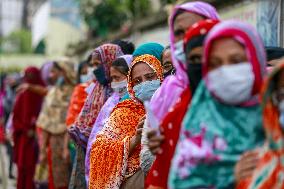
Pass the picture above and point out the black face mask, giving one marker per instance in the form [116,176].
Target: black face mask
[194,74]
[100,75]
[170,72]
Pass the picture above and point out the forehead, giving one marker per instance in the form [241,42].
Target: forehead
[140,68]
[225,44]
[186,19]
[195,51]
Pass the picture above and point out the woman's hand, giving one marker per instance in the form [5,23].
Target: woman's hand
[136,139]
[154,141]
[23,87]
[246,165]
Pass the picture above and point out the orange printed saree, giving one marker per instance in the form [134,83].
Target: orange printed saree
[110,161]
[270,168]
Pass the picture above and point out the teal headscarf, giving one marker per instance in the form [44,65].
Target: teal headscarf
[154,49]
[213,137]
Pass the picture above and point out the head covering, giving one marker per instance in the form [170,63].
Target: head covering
[161,165]
[67,67]
[26,110]
[195,35]
[79,70]
[45,70]
[173,86]
[97,96]
[269,168]
[247,36]
[128,59]
[110,160]
[56,102]
[151,61]
[214,129]
[33,76]
[154,49]
[103,116]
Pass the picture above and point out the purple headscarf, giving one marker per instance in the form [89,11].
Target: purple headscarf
[168,94]
[45,70]
[106,110]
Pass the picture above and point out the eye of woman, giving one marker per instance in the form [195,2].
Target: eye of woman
[168,66]
[114,78]
[237,58]
[214,63]
[194,59]
[137,81]
[150,76]
[178,32]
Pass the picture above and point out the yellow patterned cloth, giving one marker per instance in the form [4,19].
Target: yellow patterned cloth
[110,161]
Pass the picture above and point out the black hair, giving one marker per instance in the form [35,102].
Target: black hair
[80,67]
[178,12]
[194,42]
[127,47]
[120,65]
[274,53]
[168,47]
[88,61]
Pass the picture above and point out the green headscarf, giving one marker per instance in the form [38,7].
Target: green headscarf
[213,137]
[154,49]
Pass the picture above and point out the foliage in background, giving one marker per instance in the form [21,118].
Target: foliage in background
[11,69]
[19,41]
[106,16]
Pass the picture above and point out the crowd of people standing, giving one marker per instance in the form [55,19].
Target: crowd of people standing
[205,112]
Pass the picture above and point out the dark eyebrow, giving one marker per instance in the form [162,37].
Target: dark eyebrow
[167,62]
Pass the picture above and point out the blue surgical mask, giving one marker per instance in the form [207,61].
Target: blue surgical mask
[281,111]
[84,78]
[60,81]
[144,91]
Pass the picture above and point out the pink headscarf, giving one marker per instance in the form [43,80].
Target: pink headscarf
[166,97]
[246,35]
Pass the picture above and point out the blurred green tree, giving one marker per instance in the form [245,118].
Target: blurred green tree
[105,16]
[19,41]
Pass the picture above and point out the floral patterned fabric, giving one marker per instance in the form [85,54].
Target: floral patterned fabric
[213,137]
[110,162]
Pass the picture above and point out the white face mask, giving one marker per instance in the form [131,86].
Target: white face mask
[119,87]
[232,84]
[91,74]
[179,52]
